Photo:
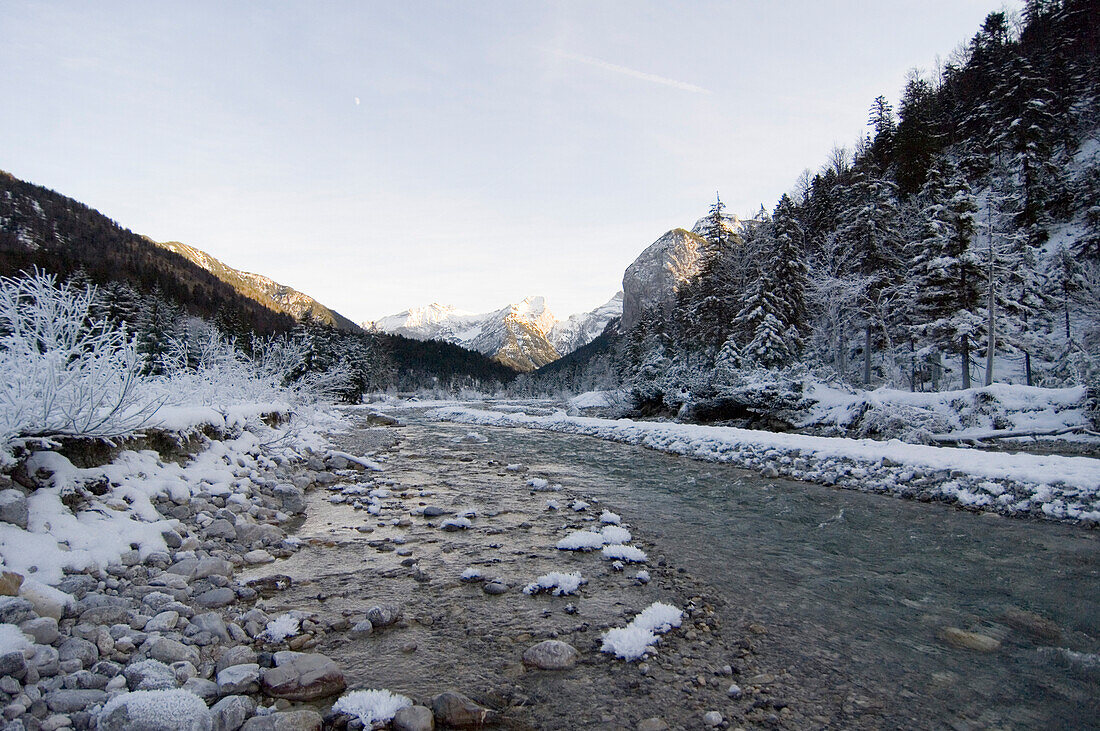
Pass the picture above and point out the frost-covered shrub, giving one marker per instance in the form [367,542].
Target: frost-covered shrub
[63,373]
[901,421]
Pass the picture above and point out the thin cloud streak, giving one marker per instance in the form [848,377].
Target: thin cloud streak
[633,73]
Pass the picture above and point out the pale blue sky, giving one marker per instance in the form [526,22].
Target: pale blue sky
[379,155]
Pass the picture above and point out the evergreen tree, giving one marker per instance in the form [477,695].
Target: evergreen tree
[949,274]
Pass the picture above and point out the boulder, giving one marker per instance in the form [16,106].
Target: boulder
[68,701]
[10,583]
[13,508]
[239,679]
[237,655]
[221,597]
[200,568]
[413,718]
[231,712]
[169,651]
[285,721]
[303,677]
[150,675]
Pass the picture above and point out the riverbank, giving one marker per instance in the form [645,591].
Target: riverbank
[1050,487]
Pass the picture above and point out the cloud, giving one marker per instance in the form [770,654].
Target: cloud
[633,73]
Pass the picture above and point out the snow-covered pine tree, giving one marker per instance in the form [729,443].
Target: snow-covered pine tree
[949,274]
[871,232]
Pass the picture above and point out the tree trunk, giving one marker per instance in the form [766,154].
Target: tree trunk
[991,307]
[867,356]
[966,362]
[841,360]
[1027,367]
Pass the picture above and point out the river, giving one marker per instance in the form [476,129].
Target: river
[843,597]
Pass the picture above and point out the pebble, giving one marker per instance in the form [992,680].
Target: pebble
[494,588]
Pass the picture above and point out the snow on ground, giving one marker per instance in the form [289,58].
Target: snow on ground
[962,414]
[83,518]
[1049,486]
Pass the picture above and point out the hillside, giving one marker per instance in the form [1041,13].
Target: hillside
[278,297]
[42,228]
[956,244]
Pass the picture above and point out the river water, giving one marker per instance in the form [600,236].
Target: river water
[858,588]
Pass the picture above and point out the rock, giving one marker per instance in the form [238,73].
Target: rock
[551,655]
[456,710]
[286,721]
[43,630]
[652,724]
[86,680]
[46,661]
[968,640]
[734,691]
[303,677]
[231,712]
[413,718]
[13,508]
[211,622]
[169,651]
[237,655]
[201,568]
[150,675]
[75,648]
[203,688]
[107,614]
[156,710]
[221,528]
[163,622]
[221,597]
[257,557]
[361,629]
[1031,623]
[13,664]
[15,609]
[434,511]
[67,701]
[712,719]
[291,498]
[239,679]
[46,600]
[383,615]
[494,588]
[10,583]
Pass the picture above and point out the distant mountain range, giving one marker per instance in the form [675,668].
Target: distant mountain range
[523,336]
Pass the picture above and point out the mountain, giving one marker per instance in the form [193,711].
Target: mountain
[523,336]
[652,281]
[278,297]
[39,227]
[42,228]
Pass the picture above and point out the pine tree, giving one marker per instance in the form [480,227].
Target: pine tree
[950,276]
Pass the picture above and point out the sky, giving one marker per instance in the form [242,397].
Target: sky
[384,155]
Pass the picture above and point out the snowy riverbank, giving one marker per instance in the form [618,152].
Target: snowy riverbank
[1044,486]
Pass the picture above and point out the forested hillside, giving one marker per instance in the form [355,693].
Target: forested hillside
[957,243]
[173,303]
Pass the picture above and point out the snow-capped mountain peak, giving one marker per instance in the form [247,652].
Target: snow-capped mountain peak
[524,335]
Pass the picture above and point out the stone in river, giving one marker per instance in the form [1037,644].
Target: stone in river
[456,710]
[303,677]
[968,640]
[551,655]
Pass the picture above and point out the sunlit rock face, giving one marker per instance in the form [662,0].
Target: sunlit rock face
[653,279]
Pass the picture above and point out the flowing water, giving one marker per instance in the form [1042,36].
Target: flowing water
[848,594]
